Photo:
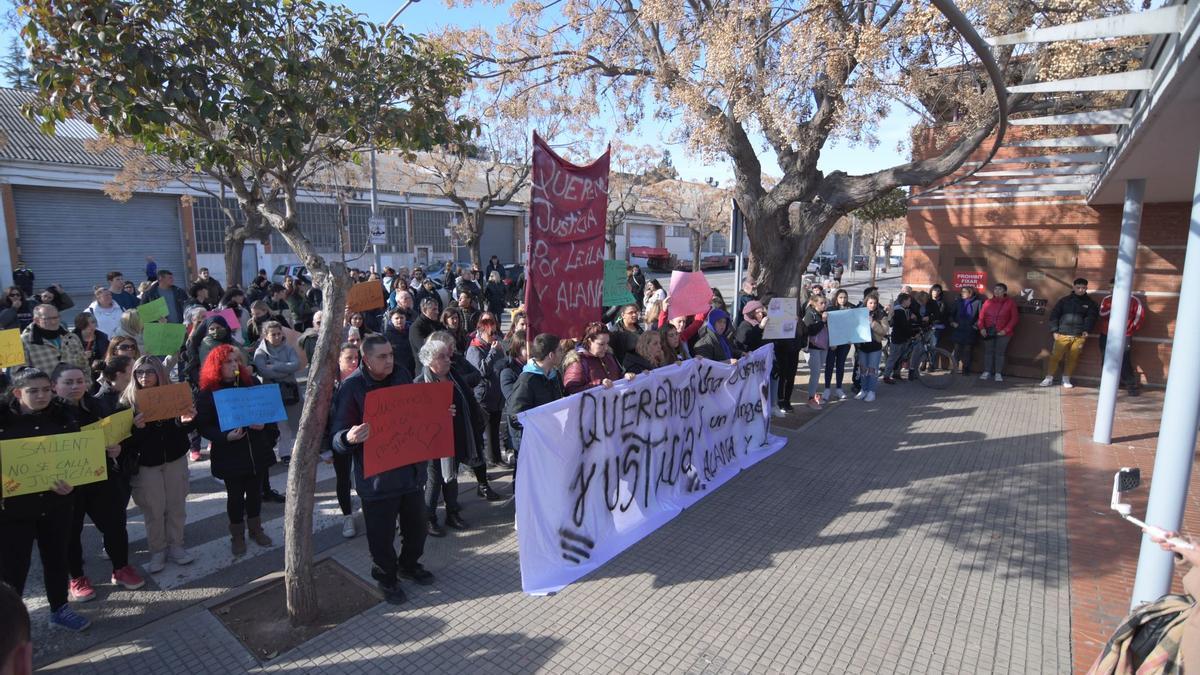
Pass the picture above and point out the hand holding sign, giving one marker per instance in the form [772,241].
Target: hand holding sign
[249,406]
[51,463]
[153,311]
[12,350]
[406,424]
[164,402]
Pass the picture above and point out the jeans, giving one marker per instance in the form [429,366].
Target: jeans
[1128,377]
[100,502]
[243,497]
[962,354]
[1070,346]
[343,472]
[816,364]
[443,483]
[836,361]
[898,353]
[380,517]
[161,493]
[993,353]
[52,532]
[869,367]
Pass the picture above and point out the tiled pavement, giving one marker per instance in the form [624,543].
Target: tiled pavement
[920,533]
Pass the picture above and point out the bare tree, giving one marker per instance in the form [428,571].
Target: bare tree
[703,209]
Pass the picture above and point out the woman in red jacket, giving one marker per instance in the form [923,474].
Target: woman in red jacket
[997,320]
[593,363]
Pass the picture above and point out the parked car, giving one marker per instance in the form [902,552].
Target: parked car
[514,284]
[718,261]
[861,263]
[293,271]
[895,261]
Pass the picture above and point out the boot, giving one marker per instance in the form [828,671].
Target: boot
[237,534]
[256,532]
[485,490]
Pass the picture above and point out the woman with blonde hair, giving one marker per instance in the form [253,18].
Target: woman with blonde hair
[122,345]
[132,327]
[647,354]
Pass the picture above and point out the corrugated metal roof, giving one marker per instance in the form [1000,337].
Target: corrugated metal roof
[23,140]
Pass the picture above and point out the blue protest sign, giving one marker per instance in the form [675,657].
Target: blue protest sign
[243,406]
[848,326]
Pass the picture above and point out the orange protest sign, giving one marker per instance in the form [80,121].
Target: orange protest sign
[165,402]
[410,423]
[366,296]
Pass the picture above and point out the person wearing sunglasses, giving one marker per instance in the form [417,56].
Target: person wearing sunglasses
[16,311]
[122,345]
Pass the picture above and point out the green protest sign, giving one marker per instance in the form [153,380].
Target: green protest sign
[163,339]
[153,311]
[616,290]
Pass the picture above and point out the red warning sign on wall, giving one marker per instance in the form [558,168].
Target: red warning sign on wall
[976,279]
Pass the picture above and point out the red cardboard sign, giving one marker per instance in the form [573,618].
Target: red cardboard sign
[976,279]
[565,271]
[410,423]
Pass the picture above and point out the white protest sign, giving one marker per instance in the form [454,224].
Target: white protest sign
[606,467]
[781,319]
[849,326]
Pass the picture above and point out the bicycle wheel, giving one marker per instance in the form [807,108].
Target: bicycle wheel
[937,368]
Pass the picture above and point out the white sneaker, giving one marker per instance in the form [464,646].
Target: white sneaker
[999,377]
[869,397]
[348,529]
[1067,383]
[777,412]
[860,396]
[1046,381]
[179,555]
[840,393]
[158,562]
[825,396]
[985,375]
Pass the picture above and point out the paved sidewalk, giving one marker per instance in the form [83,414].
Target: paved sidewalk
[920,533]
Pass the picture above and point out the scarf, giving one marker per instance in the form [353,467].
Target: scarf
[711,322]
[531,367]
[41,335]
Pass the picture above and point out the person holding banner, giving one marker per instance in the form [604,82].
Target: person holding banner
[160,477]
[239,457]
[538,384]
[714,343]
[749,333]
[591,364]
[646,355]
[44,517]
[869,353]
[104,502]
[391,497]
[836,361]
[962,322]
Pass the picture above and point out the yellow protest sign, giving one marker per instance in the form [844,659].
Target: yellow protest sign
[12,351]
[116,427]
[29,465]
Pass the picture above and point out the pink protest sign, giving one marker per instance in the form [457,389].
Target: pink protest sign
[565,270]
[690,294]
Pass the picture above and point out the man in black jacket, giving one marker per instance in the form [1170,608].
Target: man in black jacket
[1072,318]
[390,495]
[425,325]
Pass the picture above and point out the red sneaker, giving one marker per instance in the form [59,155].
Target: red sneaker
[128,577]
[80,589]
[194,455]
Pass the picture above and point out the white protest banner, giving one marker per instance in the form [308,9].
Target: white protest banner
[849,326]
[606,467]
[781,319]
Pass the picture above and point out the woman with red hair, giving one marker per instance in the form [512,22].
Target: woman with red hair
[239,457]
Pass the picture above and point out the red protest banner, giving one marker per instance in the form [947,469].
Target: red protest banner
[976,279]
[565,268]
[410,423]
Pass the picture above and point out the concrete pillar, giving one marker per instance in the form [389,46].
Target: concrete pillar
[1177,431]
[1110,380]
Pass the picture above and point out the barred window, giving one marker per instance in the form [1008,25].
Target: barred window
[210,222]
[680,231]
[429,229]
[321,223]
[715,243]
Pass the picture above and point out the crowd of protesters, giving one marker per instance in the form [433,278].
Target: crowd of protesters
[444,326]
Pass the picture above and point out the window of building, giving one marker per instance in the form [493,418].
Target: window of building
[321,223]
[429,229]
[680,231]
[210,221]
[715,243]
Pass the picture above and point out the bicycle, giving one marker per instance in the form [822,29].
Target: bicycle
[929,364]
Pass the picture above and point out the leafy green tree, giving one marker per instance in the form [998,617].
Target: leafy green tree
[880,216]
[15,67]
[258,96]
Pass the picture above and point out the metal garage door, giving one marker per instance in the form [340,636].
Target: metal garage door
[643,235]
[75,237]
[497,240]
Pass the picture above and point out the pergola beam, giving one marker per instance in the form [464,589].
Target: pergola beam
[1074,181]
[1065,158]
[1153,22]
[1116,116]
[1088,141]
[1133,80]
[1078,169]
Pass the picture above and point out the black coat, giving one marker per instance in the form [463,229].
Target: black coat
[508,369]
[635,363]
[421,329]
[1074,315]
[159,442]
[708,345]
[250,455]
[347,413]
[401,346]
[748,336]
[468,419]
[55,419]
[623,341]
[530,391]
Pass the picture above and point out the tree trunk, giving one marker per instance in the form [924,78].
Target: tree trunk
[302,474]
[775,262]
[234,246]
[611,240]
[697,244]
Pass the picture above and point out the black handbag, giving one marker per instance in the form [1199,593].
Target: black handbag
[290,392]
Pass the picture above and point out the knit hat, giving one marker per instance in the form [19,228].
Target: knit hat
[751,307]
